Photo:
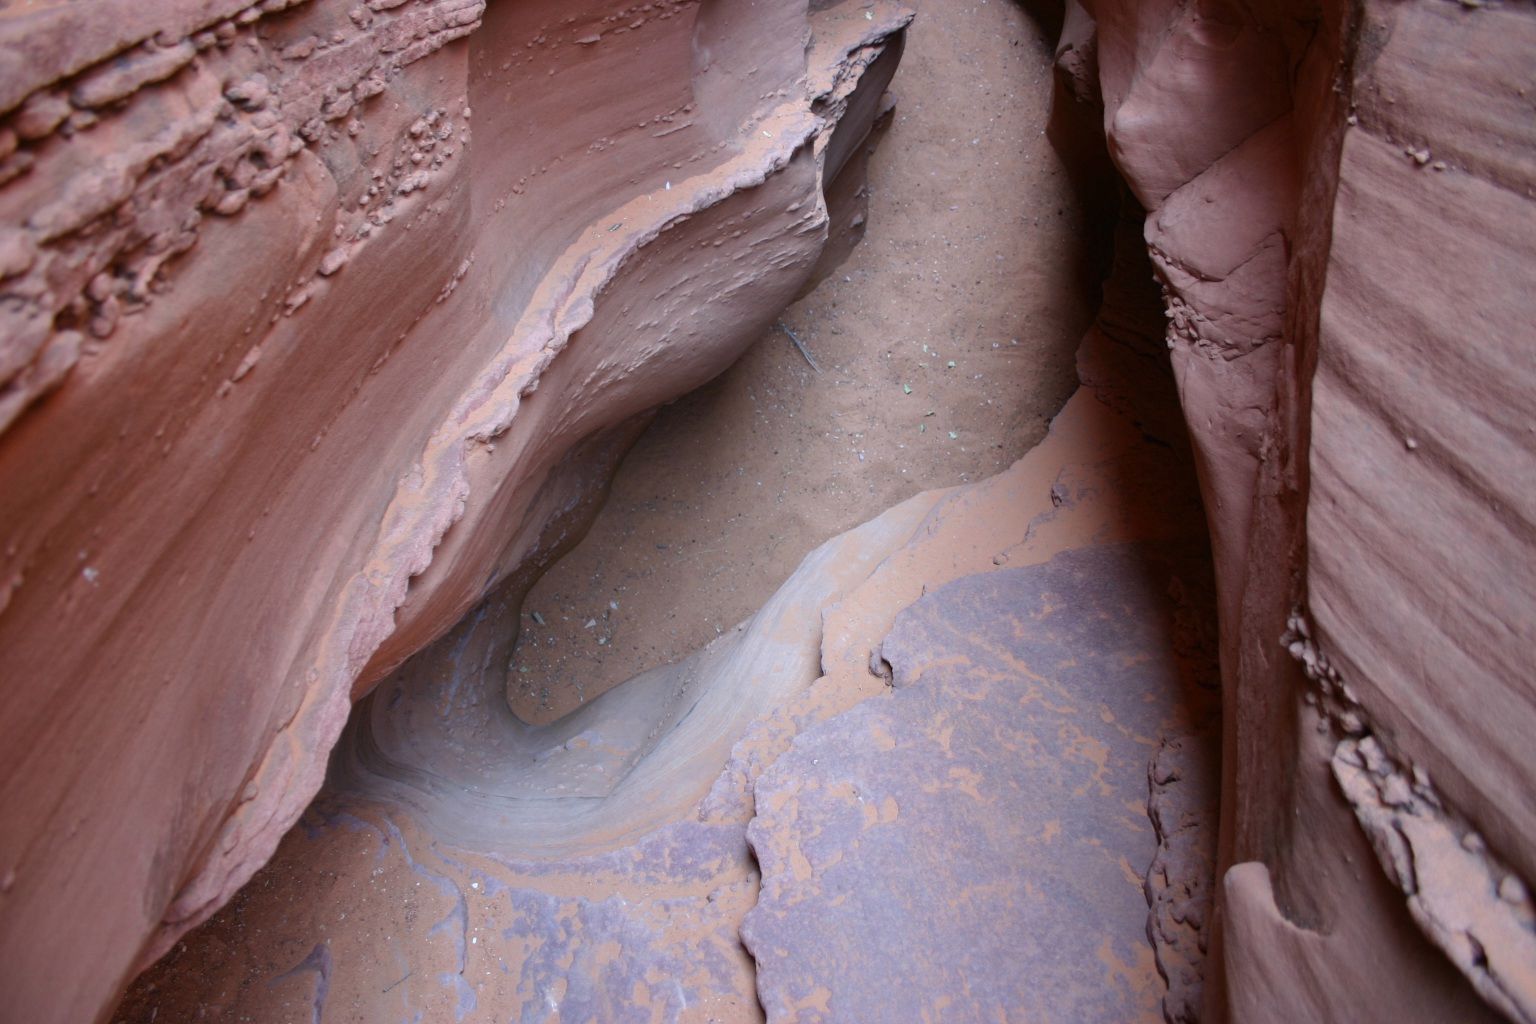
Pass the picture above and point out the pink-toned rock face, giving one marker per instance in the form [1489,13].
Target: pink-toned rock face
[1339,210]
[323,325]
[304,304]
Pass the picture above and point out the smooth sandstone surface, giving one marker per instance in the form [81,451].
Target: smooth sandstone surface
[1339,208]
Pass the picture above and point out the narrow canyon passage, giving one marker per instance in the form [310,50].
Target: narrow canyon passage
[585,844]
[796,511]
[945,343]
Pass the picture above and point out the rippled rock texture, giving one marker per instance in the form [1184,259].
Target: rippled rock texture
[323,327]
[608,867]
[317,317]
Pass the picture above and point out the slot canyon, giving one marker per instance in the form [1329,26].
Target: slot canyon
[767,510]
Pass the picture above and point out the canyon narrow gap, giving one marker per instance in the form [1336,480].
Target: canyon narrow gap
[740,510]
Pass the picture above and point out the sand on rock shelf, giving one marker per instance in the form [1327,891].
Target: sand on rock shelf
[767,510]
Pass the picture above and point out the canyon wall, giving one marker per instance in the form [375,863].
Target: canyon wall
[316,316]
[1339,207]
[323,325]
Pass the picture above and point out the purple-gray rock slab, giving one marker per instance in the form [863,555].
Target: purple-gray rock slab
[972,846]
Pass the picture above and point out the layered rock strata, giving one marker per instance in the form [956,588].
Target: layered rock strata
[601,867]
[316,317]
[299,375]
[1339,203]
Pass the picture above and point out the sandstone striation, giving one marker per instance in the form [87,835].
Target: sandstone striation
[602,866]
[1335,195]
[323,328]
[307,308]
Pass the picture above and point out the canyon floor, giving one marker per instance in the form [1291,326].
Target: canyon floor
[945,347]
[945,344]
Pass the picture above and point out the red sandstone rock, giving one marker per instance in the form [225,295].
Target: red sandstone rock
[296,370]
[303,307]
[542,871]
[1339,209]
